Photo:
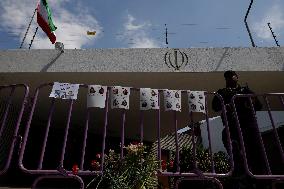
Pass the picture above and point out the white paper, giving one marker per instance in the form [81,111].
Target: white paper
[96,96]
[172,100]
[120,97]
[149,99]
[196,101]
[64,90]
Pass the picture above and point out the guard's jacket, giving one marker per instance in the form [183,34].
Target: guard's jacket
[244,111]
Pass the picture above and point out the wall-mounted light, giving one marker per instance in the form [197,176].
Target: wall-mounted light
[59,46]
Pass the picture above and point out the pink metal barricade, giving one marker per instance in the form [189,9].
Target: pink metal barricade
[212,179]
[267,172]
[18,118]
[196,173]
[62,172]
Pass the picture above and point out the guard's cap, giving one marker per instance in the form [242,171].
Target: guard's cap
[229,74]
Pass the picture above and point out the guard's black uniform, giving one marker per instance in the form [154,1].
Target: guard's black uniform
[248,127]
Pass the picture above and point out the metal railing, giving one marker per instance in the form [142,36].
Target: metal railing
[195,174]
[11,125]
[196,171]
[266,172]
[60,172]
[68,173]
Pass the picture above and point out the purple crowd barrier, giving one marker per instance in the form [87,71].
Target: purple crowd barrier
[71,176]
[123,115]
[176,137]
[61,172]
[196,172]
[267,172]
[212,179]
[18,120]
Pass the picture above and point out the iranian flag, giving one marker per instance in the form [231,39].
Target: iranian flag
[44,20]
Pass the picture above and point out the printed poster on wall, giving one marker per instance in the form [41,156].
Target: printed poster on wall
[96,96]
[196,101]
[172,100]
[120,97]
[64,90]
[149,99]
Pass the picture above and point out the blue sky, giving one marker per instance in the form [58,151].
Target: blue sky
[141,24]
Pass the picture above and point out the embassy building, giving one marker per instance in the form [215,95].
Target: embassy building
[192,69]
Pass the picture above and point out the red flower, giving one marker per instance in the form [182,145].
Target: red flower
[75,169]
[98,156]
[95,164]
[135,143]
[171,164]
[164,165]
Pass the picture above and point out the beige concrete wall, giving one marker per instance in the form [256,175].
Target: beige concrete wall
[143,60]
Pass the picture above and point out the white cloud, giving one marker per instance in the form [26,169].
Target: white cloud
[275,16]
[138,34]
[71,26]
[144,42]
[130,26]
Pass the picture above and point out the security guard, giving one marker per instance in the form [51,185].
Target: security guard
[247,123]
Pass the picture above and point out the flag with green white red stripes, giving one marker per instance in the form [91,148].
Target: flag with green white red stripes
[44,20]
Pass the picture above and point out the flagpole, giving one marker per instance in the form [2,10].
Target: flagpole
[33,38]
[28,29]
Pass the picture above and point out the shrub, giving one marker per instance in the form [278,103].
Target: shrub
[137,170]
[203,160]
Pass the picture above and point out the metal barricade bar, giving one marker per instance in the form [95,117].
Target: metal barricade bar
[18,119]
[81,172]
[196,172]
[216,181]
[209,135]
[75,177]
[46,133]
[39,169]
[269,174]
[274,129]
[7,110]
[123,115]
